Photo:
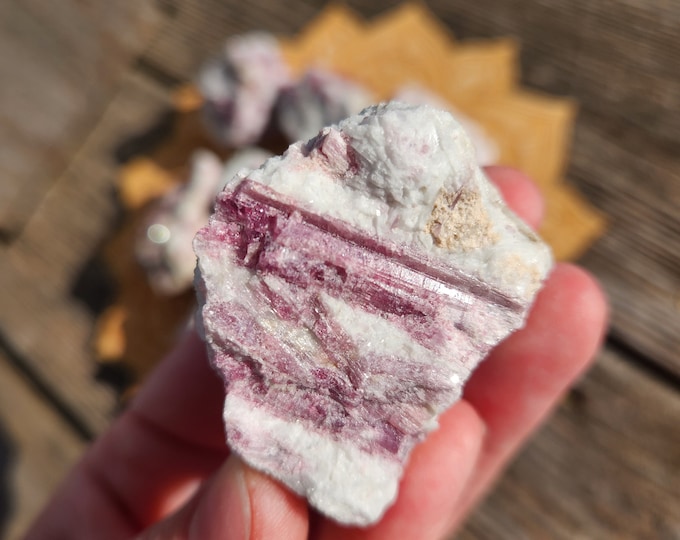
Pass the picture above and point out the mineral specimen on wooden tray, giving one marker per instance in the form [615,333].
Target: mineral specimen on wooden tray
[320,98]
[348,289]
[241,86]
[486,148]
[163,245]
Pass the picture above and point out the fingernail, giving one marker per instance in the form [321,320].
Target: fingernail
[224,509]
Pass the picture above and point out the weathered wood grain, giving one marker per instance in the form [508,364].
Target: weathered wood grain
[50,334]
[620,58]
[61,61]
[37,448]
[606,466]
[198,29]
[45,324]
[638,260]
[617,57]
[80,209]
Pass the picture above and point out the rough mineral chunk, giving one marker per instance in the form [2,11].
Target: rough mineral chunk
[241,86]
[319,99]
[348,290]
[163,245]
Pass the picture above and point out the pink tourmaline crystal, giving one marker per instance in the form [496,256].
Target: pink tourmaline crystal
[348,290]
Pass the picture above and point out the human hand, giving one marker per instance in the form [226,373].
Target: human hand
[163,470]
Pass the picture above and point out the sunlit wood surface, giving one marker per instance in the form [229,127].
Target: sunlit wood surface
[77,78]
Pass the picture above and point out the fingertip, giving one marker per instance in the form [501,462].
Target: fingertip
[520,193]
[276,512]
[575,308]
[592,299]
[236,503]
[224,507]
[525,376]
[563,332]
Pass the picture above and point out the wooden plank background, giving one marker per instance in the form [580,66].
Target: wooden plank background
[59,66]
[79,79]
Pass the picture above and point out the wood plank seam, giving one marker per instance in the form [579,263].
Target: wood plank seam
[659,372]
[155,71]
[69,416]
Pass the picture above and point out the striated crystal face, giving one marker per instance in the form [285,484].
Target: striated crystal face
[348,290]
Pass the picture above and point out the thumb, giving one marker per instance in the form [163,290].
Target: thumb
[236,503]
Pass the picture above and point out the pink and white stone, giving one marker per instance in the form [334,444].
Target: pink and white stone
[348,289]
[241,86]
[163,246]
[320,98]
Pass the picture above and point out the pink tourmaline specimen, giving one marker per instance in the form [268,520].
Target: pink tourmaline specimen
[241,86]
[348,290]
[319,99]
[163,245]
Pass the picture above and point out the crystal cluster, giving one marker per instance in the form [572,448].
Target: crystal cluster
[249,89]
[348,289]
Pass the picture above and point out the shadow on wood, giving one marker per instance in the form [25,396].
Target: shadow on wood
[7,459]
[146,141]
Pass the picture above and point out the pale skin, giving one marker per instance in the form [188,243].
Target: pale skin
[162,470]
